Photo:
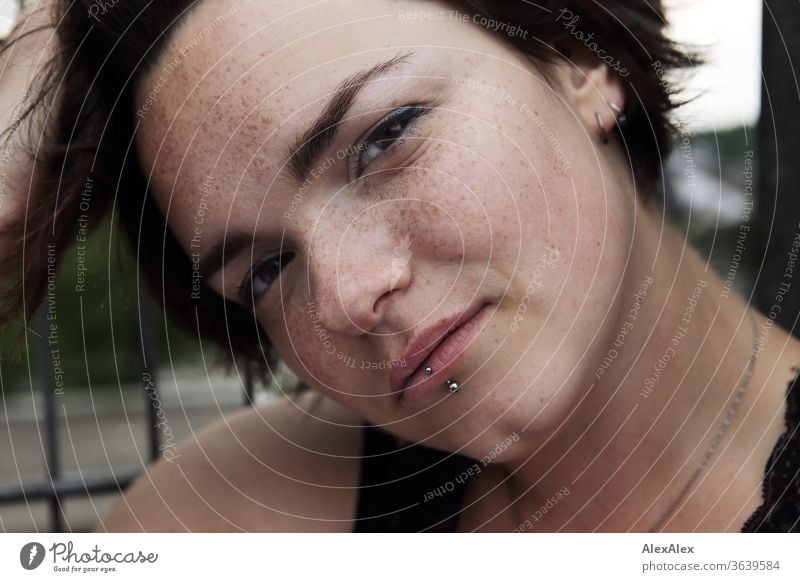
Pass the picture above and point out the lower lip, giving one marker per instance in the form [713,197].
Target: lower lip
[443,360]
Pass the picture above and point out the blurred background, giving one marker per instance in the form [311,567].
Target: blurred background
[77,424]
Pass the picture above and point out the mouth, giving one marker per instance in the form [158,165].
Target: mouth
[440,347]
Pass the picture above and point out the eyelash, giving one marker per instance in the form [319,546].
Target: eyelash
[409,113]
[245,291]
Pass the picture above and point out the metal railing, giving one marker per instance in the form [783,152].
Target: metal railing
[56,485]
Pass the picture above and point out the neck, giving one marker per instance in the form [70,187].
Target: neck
[647,424]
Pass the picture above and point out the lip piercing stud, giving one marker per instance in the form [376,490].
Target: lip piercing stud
[453,386]
[428,370]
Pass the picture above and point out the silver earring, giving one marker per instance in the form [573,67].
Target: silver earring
[602,124]
[452,385]
[622,119]
[428,370]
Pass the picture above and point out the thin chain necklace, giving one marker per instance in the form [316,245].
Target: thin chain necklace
[726,423]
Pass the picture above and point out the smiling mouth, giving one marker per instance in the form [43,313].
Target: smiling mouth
[442,357]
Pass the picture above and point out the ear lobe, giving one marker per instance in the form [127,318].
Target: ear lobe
[597,92]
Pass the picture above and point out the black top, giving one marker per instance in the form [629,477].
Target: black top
[418,489]
[400,486]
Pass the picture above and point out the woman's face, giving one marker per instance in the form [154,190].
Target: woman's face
[456,178]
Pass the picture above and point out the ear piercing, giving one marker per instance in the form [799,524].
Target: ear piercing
[622,119]
[451,384]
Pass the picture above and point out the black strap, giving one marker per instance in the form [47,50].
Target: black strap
[780,512]
[408,489]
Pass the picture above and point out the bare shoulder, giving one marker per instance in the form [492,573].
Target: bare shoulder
[287,465]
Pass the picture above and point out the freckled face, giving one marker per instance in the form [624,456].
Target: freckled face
[458,176]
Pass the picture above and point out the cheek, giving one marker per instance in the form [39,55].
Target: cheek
[464,200]
[581,211]
[560,225]
[304,345]
[595,224]
[509,198]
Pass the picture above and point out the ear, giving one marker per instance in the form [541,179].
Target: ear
[597,92]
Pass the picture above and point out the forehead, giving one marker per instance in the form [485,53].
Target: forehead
[239,79]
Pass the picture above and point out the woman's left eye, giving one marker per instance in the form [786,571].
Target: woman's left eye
[260,279]
[385,135]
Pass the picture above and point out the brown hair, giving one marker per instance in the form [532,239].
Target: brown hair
[101,58]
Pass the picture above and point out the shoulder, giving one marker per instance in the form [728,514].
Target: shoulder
[287,465]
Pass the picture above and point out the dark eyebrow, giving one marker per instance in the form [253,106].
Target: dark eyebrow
[310,145]
[223,252]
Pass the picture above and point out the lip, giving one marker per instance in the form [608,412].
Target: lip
[440,341]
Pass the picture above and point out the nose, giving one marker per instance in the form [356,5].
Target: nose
[355,273]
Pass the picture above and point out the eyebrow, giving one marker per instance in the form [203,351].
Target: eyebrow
[304,153]
[307,148]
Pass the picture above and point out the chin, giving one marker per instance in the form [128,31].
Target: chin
[531,402]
